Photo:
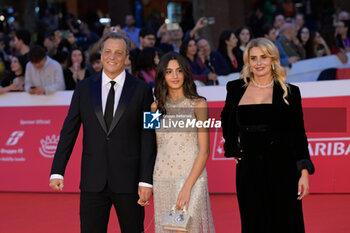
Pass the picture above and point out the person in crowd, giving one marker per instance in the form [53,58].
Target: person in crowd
[90,36]
[50,20]
[307,39]
[288,8]
[118,154]
[131,30]
[22,41]
[194,32]
[257,19]
[330,39]
[244,35]
[146,64]
[227,44]
[278,22]
[200,72]
[262,119]
[213,59]
[320,46]
[75,71]
[14,80]
[180,177]
[289,42]
[95,63]
[343,35]
[344,15]
[164,38]
[176,39]
[43,75]
[299,21]
[147,38]
[270,34]
[59,44]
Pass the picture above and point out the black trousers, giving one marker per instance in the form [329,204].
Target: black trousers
[95,209]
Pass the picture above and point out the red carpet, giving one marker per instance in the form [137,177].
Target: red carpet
[59,213]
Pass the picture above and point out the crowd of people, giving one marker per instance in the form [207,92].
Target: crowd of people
[124,164]
[69,54]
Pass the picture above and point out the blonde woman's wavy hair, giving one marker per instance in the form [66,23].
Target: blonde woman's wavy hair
[270,50]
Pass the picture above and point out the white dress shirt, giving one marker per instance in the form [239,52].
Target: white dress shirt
[118,87]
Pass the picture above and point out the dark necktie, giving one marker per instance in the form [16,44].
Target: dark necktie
[110,106]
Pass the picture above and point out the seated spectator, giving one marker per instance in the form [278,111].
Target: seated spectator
[131,30]
[200,71]
[343,35]
[329,36]
[320,46]
[278,23]
[147,38]
[95,63]
[271,34]
[22,41]
[76,69]
[307,40]
[290,43]
[14,80]
[244,35]
[146,64]
[299,21]
[213,59]
[43,75]
[227,44]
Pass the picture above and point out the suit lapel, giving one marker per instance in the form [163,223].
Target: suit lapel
[127,93]
[96,95]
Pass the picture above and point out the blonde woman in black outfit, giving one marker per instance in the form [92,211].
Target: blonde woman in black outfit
[264,130]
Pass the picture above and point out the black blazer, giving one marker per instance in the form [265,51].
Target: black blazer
[123,156]
[288,127]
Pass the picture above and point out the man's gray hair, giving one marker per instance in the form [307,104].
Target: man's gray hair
[116,35]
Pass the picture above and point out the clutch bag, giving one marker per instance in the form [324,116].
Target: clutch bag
[177,220]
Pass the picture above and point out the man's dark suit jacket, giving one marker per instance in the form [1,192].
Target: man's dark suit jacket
[288,127]
[123,156]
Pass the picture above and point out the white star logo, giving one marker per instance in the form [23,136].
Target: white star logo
[155,115]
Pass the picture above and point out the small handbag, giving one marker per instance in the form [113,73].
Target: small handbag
[176,220]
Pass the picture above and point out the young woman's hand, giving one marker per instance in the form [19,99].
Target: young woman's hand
[183,198]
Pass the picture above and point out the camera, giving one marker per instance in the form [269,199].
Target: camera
[209,20]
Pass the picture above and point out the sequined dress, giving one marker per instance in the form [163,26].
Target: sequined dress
[177,151]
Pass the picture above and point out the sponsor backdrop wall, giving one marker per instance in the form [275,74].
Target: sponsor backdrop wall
[30,127]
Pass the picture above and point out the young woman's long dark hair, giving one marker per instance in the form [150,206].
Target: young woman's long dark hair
[161,87]
[224,36]
[309,46]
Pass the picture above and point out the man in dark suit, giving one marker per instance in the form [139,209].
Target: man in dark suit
[118,154]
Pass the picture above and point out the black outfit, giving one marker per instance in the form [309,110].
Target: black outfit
[274,149]
[69,80]
[114,161]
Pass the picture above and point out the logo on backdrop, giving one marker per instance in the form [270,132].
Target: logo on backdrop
[49,145]
[325,147]
[183,119]
[151,120]
[14,138]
